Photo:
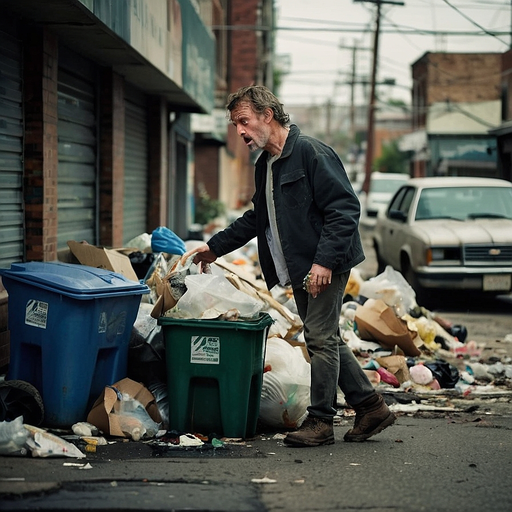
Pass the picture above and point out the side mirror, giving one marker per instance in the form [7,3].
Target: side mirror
[397,215]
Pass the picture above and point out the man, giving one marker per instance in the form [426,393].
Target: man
[305,218]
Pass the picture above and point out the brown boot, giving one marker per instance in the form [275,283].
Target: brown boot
[313,432]
[372,417]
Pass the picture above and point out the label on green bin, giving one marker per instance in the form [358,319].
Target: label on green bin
[205,349]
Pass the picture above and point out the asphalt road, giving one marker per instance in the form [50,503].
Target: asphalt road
[428,461]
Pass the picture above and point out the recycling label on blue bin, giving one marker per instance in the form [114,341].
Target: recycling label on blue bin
[36,313]
[205,350]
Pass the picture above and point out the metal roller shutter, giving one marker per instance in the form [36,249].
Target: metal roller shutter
[135,165]
[77,129]
[11,149]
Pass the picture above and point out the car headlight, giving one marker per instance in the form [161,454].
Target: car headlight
[437,254]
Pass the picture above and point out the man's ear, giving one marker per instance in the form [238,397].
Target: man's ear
[269,115]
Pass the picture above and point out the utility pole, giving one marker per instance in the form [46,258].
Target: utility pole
[371,104]
[352,105]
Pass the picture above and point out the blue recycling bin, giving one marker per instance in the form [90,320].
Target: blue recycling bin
[70,332]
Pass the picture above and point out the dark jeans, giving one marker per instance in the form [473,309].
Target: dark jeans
[332,361]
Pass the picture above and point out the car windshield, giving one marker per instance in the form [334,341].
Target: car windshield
[463,203]
[388,186]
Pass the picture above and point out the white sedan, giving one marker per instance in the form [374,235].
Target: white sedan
[450,233]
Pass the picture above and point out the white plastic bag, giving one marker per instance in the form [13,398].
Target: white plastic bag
[13,436]
[392,288]
[210,296]
[45,444]
[134,419]
[285,392]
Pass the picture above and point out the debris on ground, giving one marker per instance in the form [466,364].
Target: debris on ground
[419,361]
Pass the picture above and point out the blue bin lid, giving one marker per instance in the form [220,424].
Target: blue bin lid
[78,281]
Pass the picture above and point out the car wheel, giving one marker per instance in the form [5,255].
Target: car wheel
[381,265]
[422,296]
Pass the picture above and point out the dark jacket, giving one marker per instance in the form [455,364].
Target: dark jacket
[316,208]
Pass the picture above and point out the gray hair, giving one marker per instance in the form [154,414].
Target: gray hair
[260,98]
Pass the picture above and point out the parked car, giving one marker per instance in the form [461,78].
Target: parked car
[382,187]
[449,233]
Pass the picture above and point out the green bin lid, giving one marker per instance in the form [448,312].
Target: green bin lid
[254,324]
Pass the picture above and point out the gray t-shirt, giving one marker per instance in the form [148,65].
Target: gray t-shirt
[272,232]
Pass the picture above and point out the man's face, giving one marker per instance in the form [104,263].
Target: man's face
[254,128]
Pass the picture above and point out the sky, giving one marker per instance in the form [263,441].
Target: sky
[320,62]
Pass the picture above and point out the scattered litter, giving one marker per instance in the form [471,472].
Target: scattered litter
[13,437]
[45,444]
[83,428]
[190,440]
[408,408]
[264,480]
[95,441]
[217,443]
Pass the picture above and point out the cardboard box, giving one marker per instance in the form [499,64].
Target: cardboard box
[376,321]
[104,411]
[100,257]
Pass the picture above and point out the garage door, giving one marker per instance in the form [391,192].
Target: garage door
[77,131]
[11,146]
[135,165]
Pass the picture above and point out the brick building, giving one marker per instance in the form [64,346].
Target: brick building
[224,167]
[456,100]
[455,78]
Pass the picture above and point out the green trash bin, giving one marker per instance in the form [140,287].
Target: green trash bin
[215,374]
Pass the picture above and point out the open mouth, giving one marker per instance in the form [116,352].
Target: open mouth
[247,140]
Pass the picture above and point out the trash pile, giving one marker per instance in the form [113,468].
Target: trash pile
[405,350]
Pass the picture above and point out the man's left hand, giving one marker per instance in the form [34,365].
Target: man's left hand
[319,279]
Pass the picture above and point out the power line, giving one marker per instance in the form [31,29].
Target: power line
[414,31]
[474,22]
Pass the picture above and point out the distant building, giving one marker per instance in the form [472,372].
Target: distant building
[503,132]
[456,100]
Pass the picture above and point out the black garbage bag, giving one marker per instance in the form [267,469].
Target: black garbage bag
[446,374]
[141,262]
[458,331]
[146,352]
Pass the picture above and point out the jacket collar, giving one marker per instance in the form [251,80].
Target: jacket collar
[290,140]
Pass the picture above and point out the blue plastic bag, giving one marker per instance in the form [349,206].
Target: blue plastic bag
[164,240]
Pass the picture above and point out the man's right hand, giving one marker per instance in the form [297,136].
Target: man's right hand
[204,253]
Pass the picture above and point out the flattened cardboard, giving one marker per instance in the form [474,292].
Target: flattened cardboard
[103,413]
[99,257]
[376,321]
